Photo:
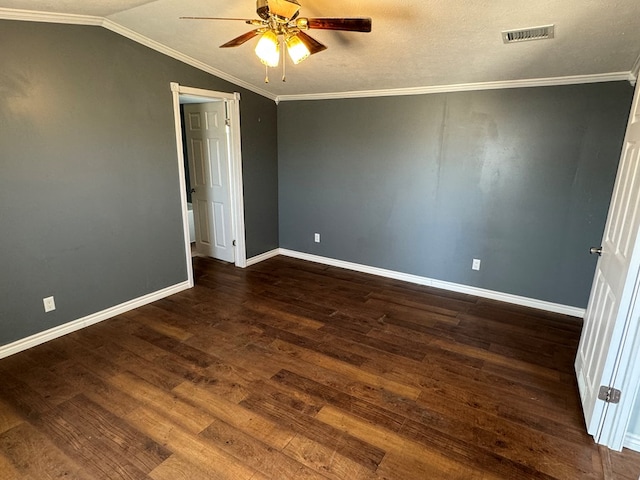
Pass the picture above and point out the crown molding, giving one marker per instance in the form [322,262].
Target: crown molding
[170,52]
[48,17]
[635,71]
[465,87]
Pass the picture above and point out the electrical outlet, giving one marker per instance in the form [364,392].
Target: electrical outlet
[316,237]
[49,304]
[476,264]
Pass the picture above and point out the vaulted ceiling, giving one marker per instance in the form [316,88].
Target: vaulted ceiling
[415,44]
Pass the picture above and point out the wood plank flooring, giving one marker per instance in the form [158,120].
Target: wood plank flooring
[294,370]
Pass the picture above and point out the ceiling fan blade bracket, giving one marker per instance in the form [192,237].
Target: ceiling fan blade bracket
[301,23]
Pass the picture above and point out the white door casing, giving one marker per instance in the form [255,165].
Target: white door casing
[208,157]
[605,356]
[183,94]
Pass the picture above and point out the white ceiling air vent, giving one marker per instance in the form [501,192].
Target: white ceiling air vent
[525,34]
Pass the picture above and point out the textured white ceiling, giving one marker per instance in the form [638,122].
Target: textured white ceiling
[414,43]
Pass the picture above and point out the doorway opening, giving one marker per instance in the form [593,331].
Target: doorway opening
[218,216]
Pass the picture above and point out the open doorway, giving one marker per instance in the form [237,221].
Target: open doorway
[221,149]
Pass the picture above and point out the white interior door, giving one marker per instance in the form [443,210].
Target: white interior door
[602,358]
[207,137]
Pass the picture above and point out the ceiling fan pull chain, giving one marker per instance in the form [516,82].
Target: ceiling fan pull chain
[284,62]
[266,74]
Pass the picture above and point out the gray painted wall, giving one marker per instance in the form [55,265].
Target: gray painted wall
[520,179]
[89,189]
[260,173]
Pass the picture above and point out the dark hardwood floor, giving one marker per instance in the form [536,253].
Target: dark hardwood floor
[294,370]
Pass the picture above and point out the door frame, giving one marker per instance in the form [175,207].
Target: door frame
[624,372]
[626,377]
[235,169]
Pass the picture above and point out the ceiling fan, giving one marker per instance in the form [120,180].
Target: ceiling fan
[280,23]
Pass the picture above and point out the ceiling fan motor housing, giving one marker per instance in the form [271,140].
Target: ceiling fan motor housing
[262,7]
[264,12]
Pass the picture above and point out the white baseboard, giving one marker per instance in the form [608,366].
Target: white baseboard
[454,287]
[632,441]
[59,331]
[262,257]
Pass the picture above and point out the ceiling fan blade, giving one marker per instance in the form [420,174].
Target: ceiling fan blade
[345,24]
[216,18]
[283,8]
[312,44]
[236,42]
[248,21]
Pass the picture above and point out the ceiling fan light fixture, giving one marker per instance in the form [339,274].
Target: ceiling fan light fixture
[298,51]
[280,28]
[268,49]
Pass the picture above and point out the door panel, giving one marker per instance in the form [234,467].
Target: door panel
[200,166]
[203,227]
[215,158]
[220,221]
[208,158]
[608,313]
[213,120]
[194,121]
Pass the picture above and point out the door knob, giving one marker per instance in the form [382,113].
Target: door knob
[596,250]
[193,190]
